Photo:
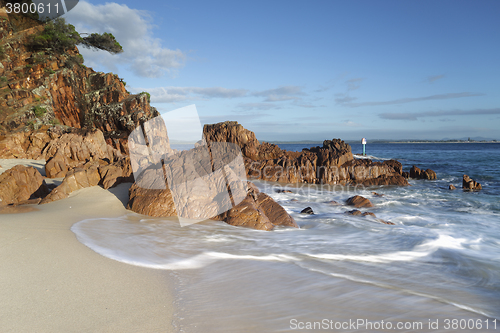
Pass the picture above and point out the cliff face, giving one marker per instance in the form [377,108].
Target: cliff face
[40,90]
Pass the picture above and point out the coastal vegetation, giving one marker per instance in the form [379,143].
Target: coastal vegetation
[60,36]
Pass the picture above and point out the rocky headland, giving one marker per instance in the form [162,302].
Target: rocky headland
[54,108]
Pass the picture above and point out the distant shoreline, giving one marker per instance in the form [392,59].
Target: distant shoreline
[375,142]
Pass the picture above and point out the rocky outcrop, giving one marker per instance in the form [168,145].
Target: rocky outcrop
[428,174]
[469,184]
[92,173]
[333,163]
[25,144]
[20,184]
[74,150]
[359,201]
[257,210]
[75,179]
[452,187]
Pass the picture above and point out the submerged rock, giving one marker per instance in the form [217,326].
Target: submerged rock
[452,187]
[356,212]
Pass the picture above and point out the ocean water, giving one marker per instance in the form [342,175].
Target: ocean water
[436,270]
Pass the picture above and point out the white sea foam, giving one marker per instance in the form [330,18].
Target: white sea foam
[420,251]
[370,157]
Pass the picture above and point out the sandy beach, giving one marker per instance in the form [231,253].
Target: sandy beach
[53,283]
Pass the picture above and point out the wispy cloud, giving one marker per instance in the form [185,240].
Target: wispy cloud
[416,115]
[354,84]
[344,98]
[284,93]
[415,99]
[182,94]
[143,54]
[432,79]
[259,106]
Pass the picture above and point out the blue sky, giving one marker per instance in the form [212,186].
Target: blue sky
[311,70]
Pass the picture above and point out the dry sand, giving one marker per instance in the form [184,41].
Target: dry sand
[50,282]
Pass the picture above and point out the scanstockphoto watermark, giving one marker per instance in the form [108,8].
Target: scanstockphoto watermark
[354,324]
[312,190]
[206,180]
[364,325]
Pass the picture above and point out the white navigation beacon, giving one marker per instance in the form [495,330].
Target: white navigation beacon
[363,142]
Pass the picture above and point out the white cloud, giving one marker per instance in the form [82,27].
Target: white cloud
[354,84]
[285,93]
[132,28]
[258,106]
[416,99]
[432,79]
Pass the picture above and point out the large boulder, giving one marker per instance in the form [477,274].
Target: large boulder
[359,201]
[21,184]
[258,211]
[469,184]
[150,201]
[75,179]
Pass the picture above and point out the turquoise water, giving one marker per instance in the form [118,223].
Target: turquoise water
[441,259]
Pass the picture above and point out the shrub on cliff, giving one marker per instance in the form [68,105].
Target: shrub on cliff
[106,42]
[56,35]
[147,94]
[61,36]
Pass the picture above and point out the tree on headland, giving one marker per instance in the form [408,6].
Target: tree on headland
[106,42]
[61,36]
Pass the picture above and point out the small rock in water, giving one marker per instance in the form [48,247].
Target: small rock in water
[359,201]
[416,173]
[429,175]
[284,191]
[451,187]
[307,210]
[469,184]
[377,194]
[333,203]
[356,212]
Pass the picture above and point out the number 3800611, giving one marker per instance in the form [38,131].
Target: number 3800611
[31,8]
